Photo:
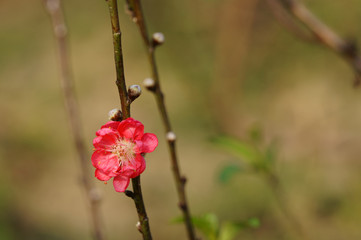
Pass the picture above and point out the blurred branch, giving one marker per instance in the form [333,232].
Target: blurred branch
[288,22]
[125,104]
[153,84]
[323,34]
[281,200]
[60,31]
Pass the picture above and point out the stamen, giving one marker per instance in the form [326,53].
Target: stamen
[124,150]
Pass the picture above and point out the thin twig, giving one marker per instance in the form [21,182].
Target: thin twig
[288,22]
[60,31]
[125,105]
[135,9]
[283,204]
[325,35]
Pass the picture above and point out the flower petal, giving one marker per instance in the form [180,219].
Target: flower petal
[105,161]
[101,175]
[112,125]
[133,168]
[105,131]
[131,129]
[127,169]
[150,142]
[105,142]
[140,165]
[120,183]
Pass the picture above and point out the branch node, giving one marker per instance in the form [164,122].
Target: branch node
[95,195]
[182,206]
[183,180]
[129,193]
[350,48]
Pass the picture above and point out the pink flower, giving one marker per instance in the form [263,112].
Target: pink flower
[118,151]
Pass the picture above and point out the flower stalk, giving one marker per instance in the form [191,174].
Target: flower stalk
[125,106]
[135,9]
[60,31]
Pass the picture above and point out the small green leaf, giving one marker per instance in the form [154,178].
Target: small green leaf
[240,149]
[228,172]
[207,224]
[230,230]
[256,134]
[270,154]
[253,222]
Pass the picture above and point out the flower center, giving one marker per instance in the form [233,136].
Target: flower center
[124,149]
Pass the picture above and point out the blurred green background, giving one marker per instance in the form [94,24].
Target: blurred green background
[227,67]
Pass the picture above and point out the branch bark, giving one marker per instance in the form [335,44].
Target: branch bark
[125,105]
[323,34]
[135,8]
[60,31]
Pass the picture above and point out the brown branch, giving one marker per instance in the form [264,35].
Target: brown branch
[125,104]
[118,57]
[288,22]
[153,84]
[60,31]
[324,35]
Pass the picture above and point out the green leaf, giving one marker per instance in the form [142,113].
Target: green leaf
[270,154]
[230,230]
[207,224]
[256,134]
[253,222]
[228,172]
[240,149]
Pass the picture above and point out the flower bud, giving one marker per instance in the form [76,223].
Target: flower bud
[157,39]
[95,194]
[149,83]
[115,115]
[134,92]
[139,226]
[171,137]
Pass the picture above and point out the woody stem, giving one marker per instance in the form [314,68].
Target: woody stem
[136,9]
[125,105]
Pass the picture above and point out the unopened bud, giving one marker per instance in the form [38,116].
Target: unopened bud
[52,6]
[95,194]
[149,83]
[171,137]
[139,226]
[158,39]
[115,115]
[134,92]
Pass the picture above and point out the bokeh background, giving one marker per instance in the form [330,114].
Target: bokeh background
[227,67]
